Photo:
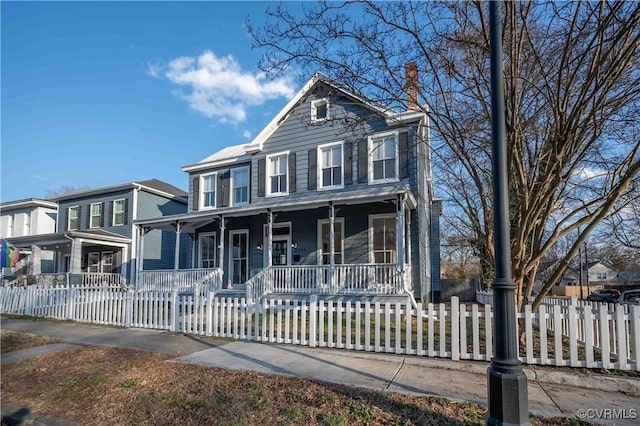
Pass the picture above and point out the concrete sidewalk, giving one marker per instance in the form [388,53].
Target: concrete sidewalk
[553,392]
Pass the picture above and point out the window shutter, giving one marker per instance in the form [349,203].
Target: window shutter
[403,152]
[313,169]
[80,218]
[88,217]
[261,177]
[195,194]
[348,163]
[363,160]
[292,172]
[103,213]
[126,211]
[65,226]
[222,189]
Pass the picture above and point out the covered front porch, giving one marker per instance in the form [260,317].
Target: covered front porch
[357,246]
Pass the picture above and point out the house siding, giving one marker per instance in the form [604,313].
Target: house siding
[194,190]
[85,205]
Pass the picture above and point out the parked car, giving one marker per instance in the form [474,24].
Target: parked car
[630,297]
[604,295]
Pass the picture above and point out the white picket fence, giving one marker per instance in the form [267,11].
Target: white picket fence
[576,336]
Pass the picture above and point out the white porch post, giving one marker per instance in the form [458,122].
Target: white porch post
[76,256]
[332,248]
[193,250]
[141,250]
[36,260]
[223,226]
[269,238]
[176,259]
[124,265]
[400,246]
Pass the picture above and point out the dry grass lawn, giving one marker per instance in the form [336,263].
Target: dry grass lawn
[109,386]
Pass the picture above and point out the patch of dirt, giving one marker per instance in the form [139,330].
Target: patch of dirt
[121,386]
[12,341]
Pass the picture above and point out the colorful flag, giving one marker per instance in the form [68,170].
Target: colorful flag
[9,255]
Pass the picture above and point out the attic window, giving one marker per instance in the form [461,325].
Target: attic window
[319,110]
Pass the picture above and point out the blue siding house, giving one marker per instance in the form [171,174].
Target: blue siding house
[95,235]
[333,196]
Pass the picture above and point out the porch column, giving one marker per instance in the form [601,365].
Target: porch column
[36,260]
[400,247]
[269,238]
[124,265]
[223,226]
[140,264]
[75,266]
[409,274]
[332,248]
[193,250]
[176,259]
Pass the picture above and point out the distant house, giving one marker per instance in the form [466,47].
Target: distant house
[94,232]
[333,196]
[28,218]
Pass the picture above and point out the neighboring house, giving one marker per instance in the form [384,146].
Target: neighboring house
[602,273]
[26,218]
[333,196]
[95,232]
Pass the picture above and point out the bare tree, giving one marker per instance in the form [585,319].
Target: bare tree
[65,190]
[572,92]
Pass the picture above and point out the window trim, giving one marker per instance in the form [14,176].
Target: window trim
[372,217]
[77,207]
[314,110]
[232,201]
[215,248]
[268,192]
[383,135]
[215,191]
[113,212]
[320,166]
[231,259]
[319,253]
[91,215]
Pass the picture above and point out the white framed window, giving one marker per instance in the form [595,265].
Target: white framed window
[96,215]
[324,246]
[207,250]
[118,212]
[73,219]
[330,166]
[239,256]
[240,186]
[602,275]
[277,173]
[382,238]
[319,110]
[93,262]
[383,158]
[208,184]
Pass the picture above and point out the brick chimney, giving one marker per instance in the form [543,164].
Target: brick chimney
[411,75]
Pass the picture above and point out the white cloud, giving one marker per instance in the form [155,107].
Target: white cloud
[154,70]
[246,134]
[218,88]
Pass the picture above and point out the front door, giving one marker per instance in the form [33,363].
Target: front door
[280,253]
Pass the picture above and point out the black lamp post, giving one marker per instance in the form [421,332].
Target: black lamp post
[506,382]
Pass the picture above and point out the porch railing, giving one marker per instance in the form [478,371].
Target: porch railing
[374,279]
[180,279]
[84,279]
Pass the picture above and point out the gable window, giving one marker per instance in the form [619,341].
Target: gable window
[277,168]
[320,110]
[602,275]
[118,212]
[208,250]
[96,215]
[324,241]
[240,185]
[383,161]
[330,170]
[208,186]
[382,238]
[74,222]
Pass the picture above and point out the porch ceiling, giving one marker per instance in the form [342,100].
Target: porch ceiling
[292,202]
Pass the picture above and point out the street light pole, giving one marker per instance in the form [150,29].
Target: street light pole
[506,382]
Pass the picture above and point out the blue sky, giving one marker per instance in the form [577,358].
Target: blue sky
[98,94]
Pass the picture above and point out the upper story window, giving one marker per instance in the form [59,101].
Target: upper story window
[383,160]
[319,110]
[330,170]
[74,218]
[240,186]
[602,275]
[208,186]
[118,212]
[95,219]
[277,168]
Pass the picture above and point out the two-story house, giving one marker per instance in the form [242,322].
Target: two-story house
[94,233]
[23,219]
[333,196]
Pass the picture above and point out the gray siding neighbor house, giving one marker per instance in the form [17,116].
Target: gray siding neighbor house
[94,234]
[333,196]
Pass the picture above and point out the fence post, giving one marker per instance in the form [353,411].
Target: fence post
[455,328]
[174,311]
[209,313]
[313,307]
[634,327]
[71,303]
[128,314]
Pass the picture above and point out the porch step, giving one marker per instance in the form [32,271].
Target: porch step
[238,290]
